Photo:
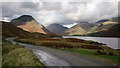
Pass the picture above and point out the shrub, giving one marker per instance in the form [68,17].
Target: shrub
[103,52]
[60,43]
[57,44]
[100,52]
[91,47]
[74,40]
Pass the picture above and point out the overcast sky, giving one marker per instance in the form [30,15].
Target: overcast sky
[65,12]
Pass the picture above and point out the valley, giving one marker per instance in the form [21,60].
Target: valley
[48,42]
[59,33]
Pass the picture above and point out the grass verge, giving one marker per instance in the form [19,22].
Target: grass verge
[92,53]
[16,55]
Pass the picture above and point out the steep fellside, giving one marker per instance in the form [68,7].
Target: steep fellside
[11,30]
[112,32]
[56,28]
[28,23]
[108,29]
[80,29]
[107,24]
[92,28]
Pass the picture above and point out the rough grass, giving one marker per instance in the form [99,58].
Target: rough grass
[16,55]
[9,47]
[20,57]
[62,43]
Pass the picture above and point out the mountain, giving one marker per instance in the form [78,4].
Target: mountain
[56,28]
[28,23]
[86,26]
[112,32]
[101,21]
[115,19]
[10,30]
[92,28]
[80,29]
[107,24]
[104,26]
[108,29]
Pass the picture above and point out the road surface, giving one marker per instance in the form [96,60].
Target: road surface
[55,57]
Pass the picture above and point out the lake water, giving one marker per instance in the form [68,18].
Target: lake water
[111,42]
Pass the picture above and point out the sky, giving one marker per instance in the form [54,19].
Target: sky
[65,12]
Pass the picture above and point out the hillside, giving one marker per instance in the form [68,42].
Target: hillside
[28,23]
[9,30]
[80,29]
[112,32]
[92,29]
[101,21]
[56,28]
[105,26]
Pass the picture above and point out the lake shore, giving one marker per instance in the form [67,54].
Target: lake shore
[111,42]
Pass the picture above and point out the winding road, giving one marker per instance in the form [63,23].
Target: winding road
[54,57]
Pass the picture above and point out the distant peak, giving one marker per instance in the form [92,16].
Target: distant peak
[24,18]
[54,24]
[83,22]
[103,20]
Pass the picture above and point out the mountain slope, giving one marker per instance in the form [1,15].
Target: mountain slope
[75,31]
[28,23]
[92,28]
[108,29]
[80,29]
[105,26]
[9,30]
[56,28]
[101,21]
[112,32]
[87,26]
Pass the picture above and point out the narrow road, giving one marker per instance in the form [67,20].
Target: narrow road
[54,57]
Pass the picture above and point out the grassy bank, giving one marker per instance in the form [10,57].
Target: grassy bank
[16,55]
[79,46]
[92,53]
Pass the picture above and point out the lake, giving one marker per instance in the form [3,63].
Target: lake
[111,42]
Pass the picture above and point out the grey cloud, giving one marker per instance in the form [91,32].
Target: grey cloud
[62,12]
[10,8]
[119,9]
[31,5]
[92,11]
[52,5]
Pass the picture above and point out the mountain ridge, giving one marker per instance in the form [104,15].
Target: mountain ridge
[56,28]
[96,29]
[28,23]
